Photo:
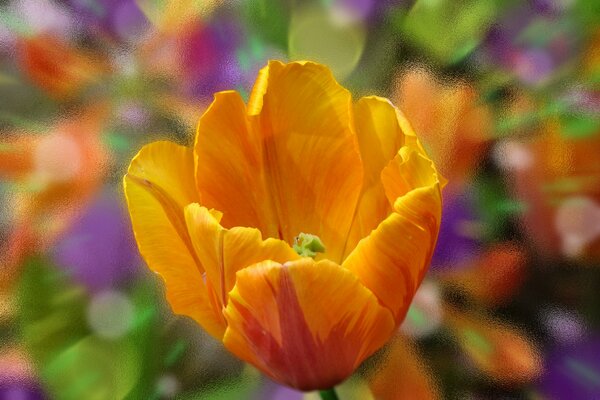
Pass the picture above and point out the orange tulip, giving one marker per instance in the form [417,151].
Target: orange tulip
[218,222]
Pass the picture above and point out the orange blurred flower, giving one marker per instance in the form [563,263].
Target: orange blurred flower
[492,278]
[503,353]
[403,374]
[449,120]
[58,68]
[218,222]
[53,175]
[557,177]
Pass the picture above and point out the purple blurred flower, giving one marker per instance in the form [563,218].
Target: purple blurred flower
[17,377]
[99,250]
[120,19]
[209,57]
[356,9]
[531,56]
[532,65]
[21,390]
[550,7]
[456,246]
[572,372]
[274,391]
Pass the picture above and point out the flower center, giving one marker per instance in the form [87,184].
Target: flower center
[308,245]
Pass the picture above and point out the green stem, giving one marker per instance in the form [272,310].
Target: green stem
[328,394]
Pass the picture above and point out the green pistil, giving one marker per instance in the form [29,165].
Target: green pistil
[307,245]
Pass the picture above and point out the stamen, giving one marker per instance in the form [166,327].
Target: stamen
[308,245]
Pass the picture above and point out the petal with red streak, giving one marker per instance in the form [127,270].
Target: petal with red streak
[277,321]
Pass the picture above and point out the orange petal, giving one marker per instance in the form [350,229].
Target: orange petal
[312,163]
[380,136]
[393,259]
[229,165]
[223,252]
[158,184]
[278,322]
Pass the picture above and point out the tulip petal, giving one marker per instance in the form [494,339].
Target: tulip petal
[229,165]
[392,260]
[380,136]
[223,252]
[278,322]
[312,163]
[409,170]
[158,184]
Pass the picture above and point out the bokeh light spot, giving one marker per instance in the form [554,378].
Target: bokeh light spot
[110,314]
[318,36]
[57,158]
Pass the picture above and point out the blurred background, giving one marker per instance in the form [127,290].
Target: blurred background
[504,94]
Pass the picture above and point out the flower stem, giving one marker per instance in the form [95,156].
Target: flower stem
[328,394]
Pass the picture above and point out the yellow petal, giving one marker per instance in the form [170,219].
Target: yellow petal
[409,170]
[312,163]
[158,184]
[306,324]
[229,165]
[380,136]
[392,260]
[223,252]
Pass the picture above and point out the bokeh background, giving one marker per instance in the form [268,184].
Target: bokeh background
[504,94]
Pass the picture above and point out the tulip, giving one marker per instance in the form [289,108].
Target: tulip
[347,185]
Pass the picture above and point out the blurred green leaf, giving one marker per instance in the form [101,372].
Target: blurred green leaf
[241,388]
[270,20]
[73,362]
[494,205]
[51,311]
[448,30]
[580,125]
[94,369]
[145,334]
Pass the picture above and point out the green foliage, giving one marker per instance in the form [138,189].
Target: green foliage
[270,19]
[447,30]
[74,362]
